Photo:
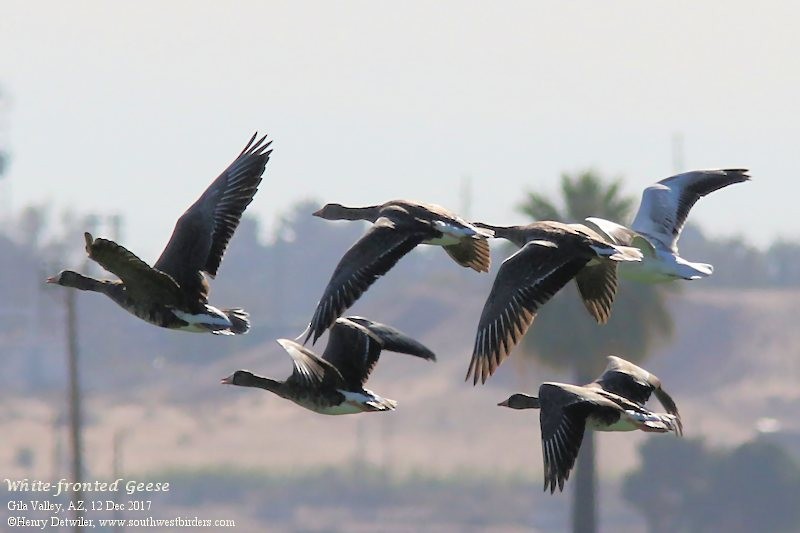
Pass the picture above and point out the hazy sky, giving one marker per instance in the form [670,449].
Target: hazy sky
[134,107]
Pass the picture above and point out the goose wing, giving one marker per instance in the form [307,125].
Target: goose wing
[627,380]
[202,233]
[309,370]
[471,253]
[597,285]
[666,204]
[353,350]
[524,282]
[142,282]
[369,258]
[630,381]
[562,418]
[393,339]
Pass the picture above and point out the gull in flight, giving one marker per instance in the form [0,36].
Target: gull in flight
[658,224]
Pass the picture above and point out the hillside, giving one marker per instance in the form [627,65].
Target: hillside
[728,345]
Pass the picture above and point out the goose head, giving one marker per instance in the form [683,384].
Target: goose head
[331,212]
[521,401]
[240,377]
[69,278]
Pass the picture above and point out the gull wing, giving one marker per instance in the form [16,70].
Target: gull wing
[666,204]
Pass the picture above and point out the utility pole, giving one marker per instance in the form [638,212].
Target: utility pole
[74,401]
[92,223]
[74,388]
[116,222]
[116,469]
[5,188]
[57,445]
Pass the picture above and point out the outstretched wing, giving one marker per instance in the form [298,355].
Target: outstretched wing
[369,258]
[633,382]
[628,380]
[353,350]
[524,282]
[472,253]
[143,283]
[666,204]
[597,285]
[562,418]
[309,370]
[202,233]
[393,339]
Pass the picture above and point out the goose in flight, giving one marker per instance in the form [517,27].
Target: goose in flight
[551,254]
[173,293]
[658,223]
[566,411]
[334,383]
[397,228]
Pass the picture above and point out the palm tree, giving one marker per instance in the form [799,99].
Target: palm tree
[638,321]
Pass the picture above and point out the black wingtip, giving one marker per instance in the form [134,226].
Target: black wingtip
[741,174]
[394,340]
[472,371]
[240,320]
[308,333]
[258,146]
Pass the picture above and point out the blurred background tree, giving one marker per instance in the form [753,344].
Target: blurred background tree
[564,336]
[753,487]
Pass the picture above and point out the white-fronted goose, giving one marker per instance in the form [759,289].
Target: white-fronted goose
[657,227]
[566,411]
[551,254]
[398,226]
[174,292]
[334,383]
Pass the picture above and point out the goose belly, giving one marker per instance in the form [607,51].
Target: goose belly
[157,315]
[341,409]
[622,424]
[347,403]
[211,320]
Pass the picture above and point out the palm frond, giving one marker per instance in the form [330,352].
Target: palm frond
[538,207]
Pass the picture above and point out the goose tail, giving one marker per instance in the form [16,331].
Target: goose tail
[381,404]
[240,320]
[656,422]
[619,253]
